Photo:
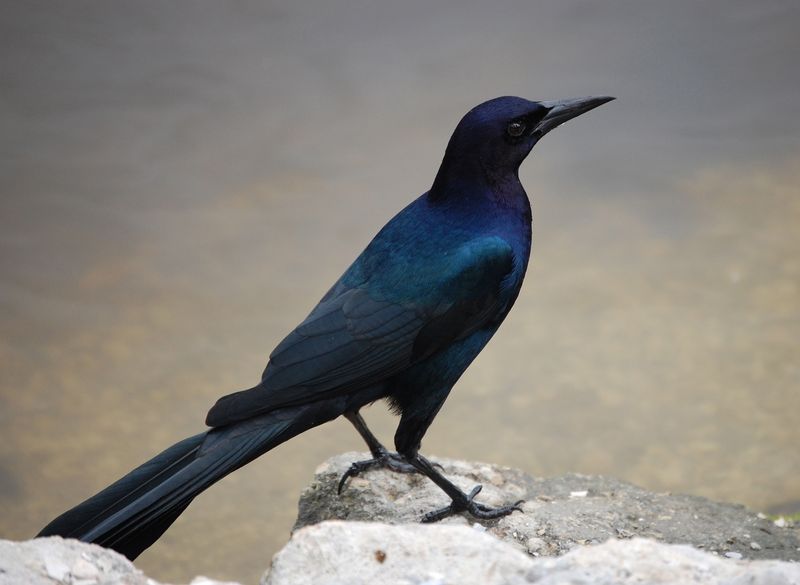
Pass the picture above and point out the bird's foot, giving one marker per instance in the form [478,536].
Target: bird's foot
[384,458]
[468,504]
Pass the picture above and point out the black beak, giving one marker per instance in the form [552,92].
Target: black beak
[563,110]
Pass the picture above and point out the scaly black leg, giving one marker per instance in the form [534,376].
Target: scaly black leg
[461,502]
[371,440]
[381,457]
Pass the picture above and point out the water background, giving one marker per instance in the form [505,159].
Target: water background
[181,182]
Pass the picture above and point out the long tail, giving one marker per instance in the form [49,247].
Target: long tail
[133,512]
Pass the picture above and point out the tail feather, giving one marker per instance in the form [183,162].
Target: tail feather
[74,522]
[133,512]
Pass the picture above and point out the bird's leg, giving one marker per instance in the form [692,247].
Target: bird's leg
[375,446]
[381,456]
[461,502]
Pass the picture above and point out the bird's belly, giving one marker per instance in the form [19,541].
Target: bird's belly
[436,375]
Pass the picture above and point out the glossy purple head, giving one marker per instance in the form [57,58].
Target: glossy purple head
[502,131]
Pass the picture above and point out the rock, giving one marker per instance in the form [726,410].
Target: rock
[54,560]
[356,553]
[555,519]
[733,555]
[362,552]
[544,544]
[618,562]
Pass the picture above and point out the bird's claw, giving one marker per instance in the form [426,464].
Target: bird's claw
[386,459]
[475,509]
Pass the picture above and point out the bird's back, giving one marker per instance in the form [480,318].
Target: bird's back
[433,275]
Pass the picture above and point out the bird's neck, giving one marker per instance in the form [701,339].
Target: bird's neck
[468,180]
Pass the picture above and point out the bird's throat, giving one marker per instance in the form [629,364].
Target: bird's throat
[468,179]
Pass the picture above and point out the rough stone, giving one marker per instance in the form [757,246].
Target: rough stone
[639,560]
[355,553]
[544,544]
[58,561]
[360,552]
[554,519]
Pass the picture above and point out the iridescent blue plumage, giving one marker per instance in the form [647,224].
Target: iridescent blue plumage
[403,323]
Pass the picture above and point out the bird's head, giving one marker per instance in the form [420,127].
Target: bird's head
[496,136]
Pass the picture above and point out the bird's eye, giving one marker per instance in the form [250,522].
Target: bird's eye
[515,129]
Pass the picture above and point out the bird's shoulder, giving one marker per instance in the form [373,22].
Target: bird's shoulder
[409,294]
[419,256]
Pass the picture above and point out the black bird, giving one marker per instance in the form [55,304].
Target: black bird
[403,323]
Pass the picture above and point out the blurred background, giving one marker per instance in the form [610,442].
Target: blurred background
[180,182]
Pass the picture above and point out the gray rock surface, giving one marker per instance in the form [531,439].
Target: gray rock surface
[559,514]
[543,544]
[56,561]
[362,552]
[355,553]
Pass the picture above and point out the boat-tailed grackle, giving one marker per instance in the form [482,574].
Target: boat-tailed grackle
[402,323]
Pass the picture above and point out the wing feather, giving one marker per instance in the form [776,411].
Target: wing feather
[352,340]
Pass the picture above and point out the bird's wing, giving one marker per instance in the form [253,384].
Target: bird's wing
[352,339]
